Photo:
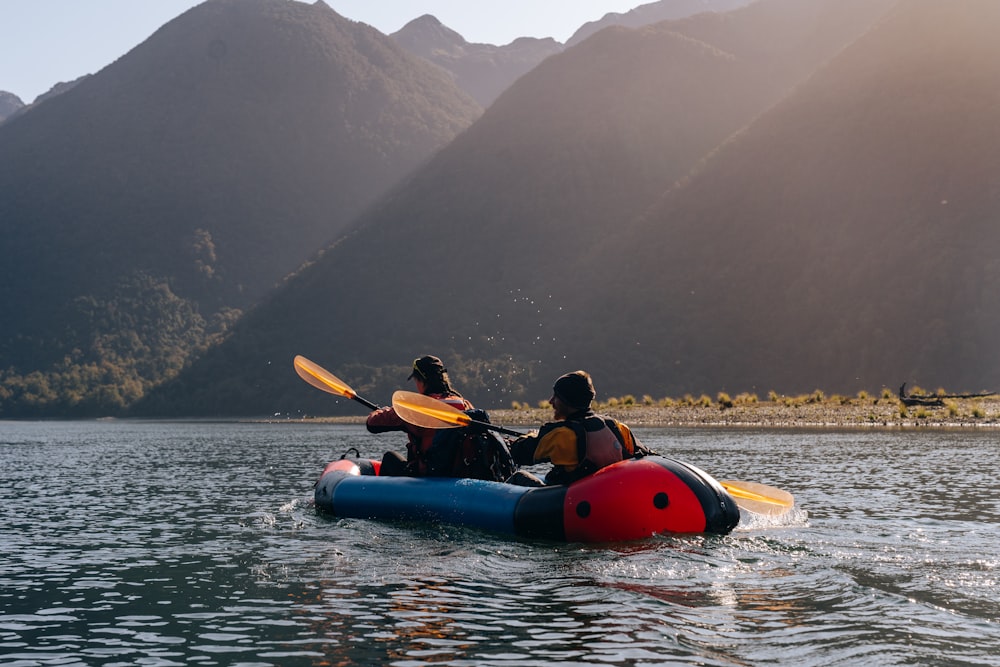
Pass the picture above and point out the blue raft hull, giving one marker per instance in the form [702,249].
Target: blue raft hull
[629,500]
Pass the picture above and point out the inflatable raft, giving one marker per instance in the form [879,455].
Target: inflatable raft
[630,500]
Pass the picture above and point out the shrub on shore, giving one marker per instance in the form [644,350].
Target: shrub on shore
[817,399]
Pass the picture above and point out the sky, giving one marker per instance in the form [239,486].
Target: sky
[44,42]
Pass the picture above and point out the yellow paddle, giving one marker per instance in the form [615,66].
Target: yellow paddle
[326,381]
[759,498]
[428,412]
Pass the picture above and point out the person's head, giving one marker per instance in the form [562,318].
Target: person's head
[430,375]
[572,393]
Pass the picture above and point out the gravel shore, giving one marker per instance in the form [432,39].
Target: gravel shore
[845,413]
[871,413]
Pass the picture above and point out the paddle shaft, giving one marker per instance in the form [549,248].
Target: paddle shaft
[498,429]
[368,404]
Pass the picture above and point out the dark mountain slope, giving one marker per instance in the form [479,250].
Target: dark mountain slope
[850,238]
[195,172]
[474,257]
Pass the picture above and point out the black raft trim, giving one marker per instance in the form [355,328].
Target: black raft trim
[323,493]
[539,514]
[721,512]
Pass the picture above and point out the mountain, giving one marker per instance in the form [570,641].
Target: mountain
[9,104]
[16,107]
[476,257]
[143,209]
[482,70]
[653,12]
[486,70]
[849,239]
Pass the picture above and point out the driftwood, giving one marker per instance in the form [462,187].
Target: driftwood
[935,400]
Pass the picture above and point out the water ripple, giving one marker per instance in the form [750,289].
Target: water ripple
[197,543]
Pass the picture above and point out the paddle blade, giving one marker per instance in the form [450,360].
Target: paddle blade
[321,378]
[427,412]
[759,498]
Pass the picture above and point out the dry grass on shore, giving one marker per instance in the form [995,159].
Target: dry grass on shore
[815,410]
[884,413]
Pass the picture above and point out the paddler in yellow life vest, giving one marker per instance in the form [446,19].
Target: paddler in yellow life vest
[578,442]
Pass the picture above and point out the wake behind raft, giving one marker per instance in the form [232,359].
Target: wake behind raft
[629,500]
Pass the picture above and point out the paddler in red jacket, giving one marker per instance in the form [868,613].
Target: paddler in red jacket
[579,442]
[431,378]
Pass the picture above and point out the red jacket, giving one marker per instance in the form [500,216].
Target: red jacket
[419,439]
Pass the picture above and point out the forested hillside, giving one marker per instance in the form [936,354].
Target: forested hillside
[144,209]
[478,257]
[796,194]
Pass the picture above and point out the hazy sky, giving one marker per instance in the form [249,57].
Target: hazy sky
[43,42]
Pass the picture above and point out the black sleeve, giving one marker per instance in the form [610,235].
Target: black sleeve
[523,450]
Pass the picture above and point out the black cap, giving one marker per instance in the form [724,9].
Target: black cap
[575,389]
[427,367]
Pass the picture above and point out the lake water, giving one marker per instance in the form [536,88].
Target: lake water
[135,543]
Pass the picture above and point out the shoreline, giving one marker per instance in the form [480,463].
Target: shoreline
[880,413]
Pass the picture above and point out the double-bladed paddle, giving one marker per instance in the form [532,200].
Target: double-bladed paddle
[428,412]
[326,381]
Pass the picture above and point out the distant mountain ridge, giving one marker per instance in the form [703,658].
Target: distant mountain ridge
[486,70]
[9,104]
[653,12]
[482,70]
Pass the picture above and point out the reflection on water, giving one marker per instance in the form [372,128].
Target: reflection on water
[137,543]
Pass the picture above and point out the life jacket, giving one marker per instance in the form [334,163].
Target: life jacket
[421,440]
[471,451]
[599,443]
